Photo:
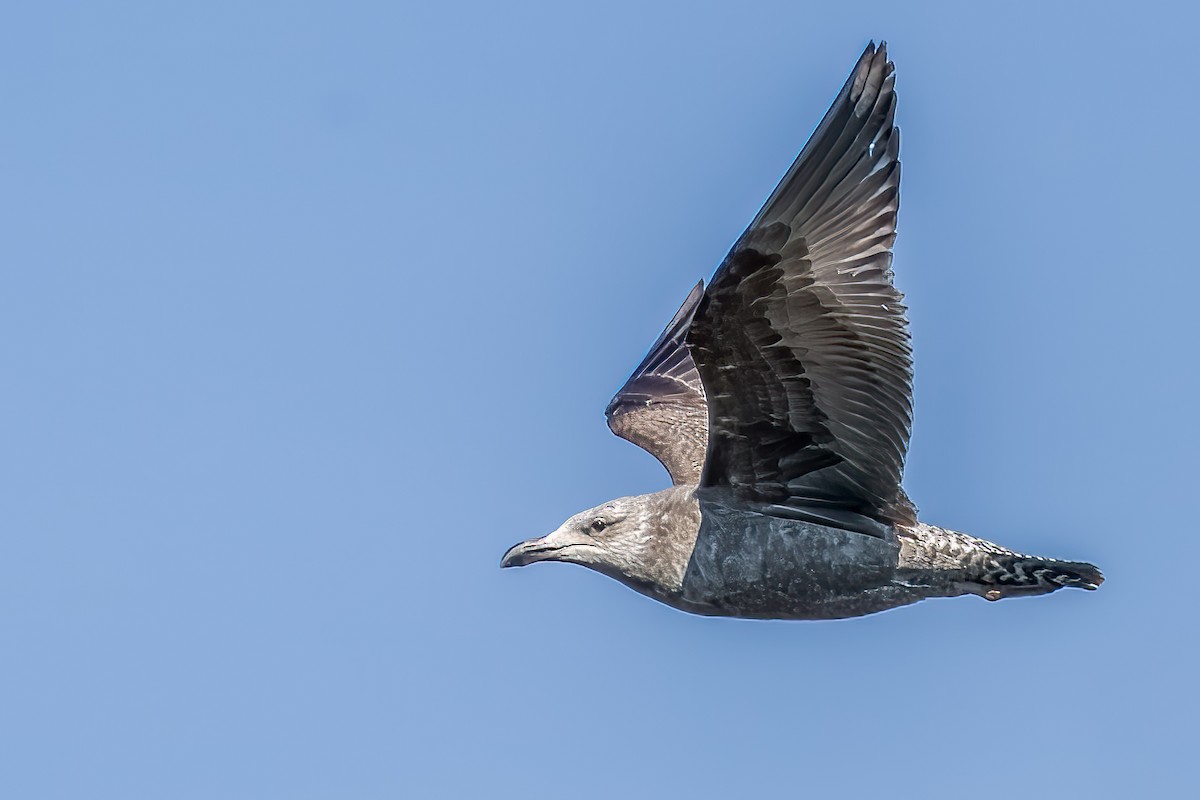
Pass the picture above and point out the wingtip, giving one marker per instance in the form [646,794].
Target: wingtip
[875,52]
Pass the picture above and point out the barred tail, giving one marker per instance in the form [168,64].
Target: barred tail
[1019,576]
[972,565]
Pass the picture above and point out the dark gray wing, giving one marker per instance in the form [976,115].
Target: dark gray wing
[801,340]
[661,407]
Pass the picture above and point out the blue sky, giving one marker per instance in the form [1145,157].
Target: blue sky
[308,313]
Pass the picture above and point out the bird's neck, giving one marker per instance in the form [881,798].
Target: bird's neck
[671,523]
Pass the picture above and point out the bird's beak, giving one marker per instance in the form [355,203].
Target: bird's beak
[552,547]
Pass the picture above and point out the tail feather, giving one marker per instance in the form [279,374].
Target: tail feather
[1017,575]
[977,566]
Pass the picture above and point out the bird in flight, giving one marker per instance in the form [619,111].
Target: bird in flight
[779,399]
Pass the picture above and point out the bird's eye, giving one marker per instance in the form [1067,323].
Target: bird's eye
[598,524]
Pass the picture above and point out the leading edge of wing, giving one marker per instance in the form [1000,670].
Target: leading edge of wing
[668,370]
[661,407]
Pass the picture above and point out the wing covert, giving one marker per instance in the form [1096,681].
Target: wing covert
[661,407]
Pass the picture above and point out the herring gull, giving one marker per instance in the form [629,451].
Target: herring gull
[779,399]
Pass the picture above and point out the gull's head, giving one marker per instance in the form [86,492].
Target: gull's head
[614,538]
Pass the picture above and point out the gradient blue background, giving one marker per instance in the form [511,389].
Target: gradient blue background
[308,313]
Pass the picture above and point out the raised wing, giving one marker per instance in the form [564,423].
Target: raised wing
[661,407]
[801,340]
